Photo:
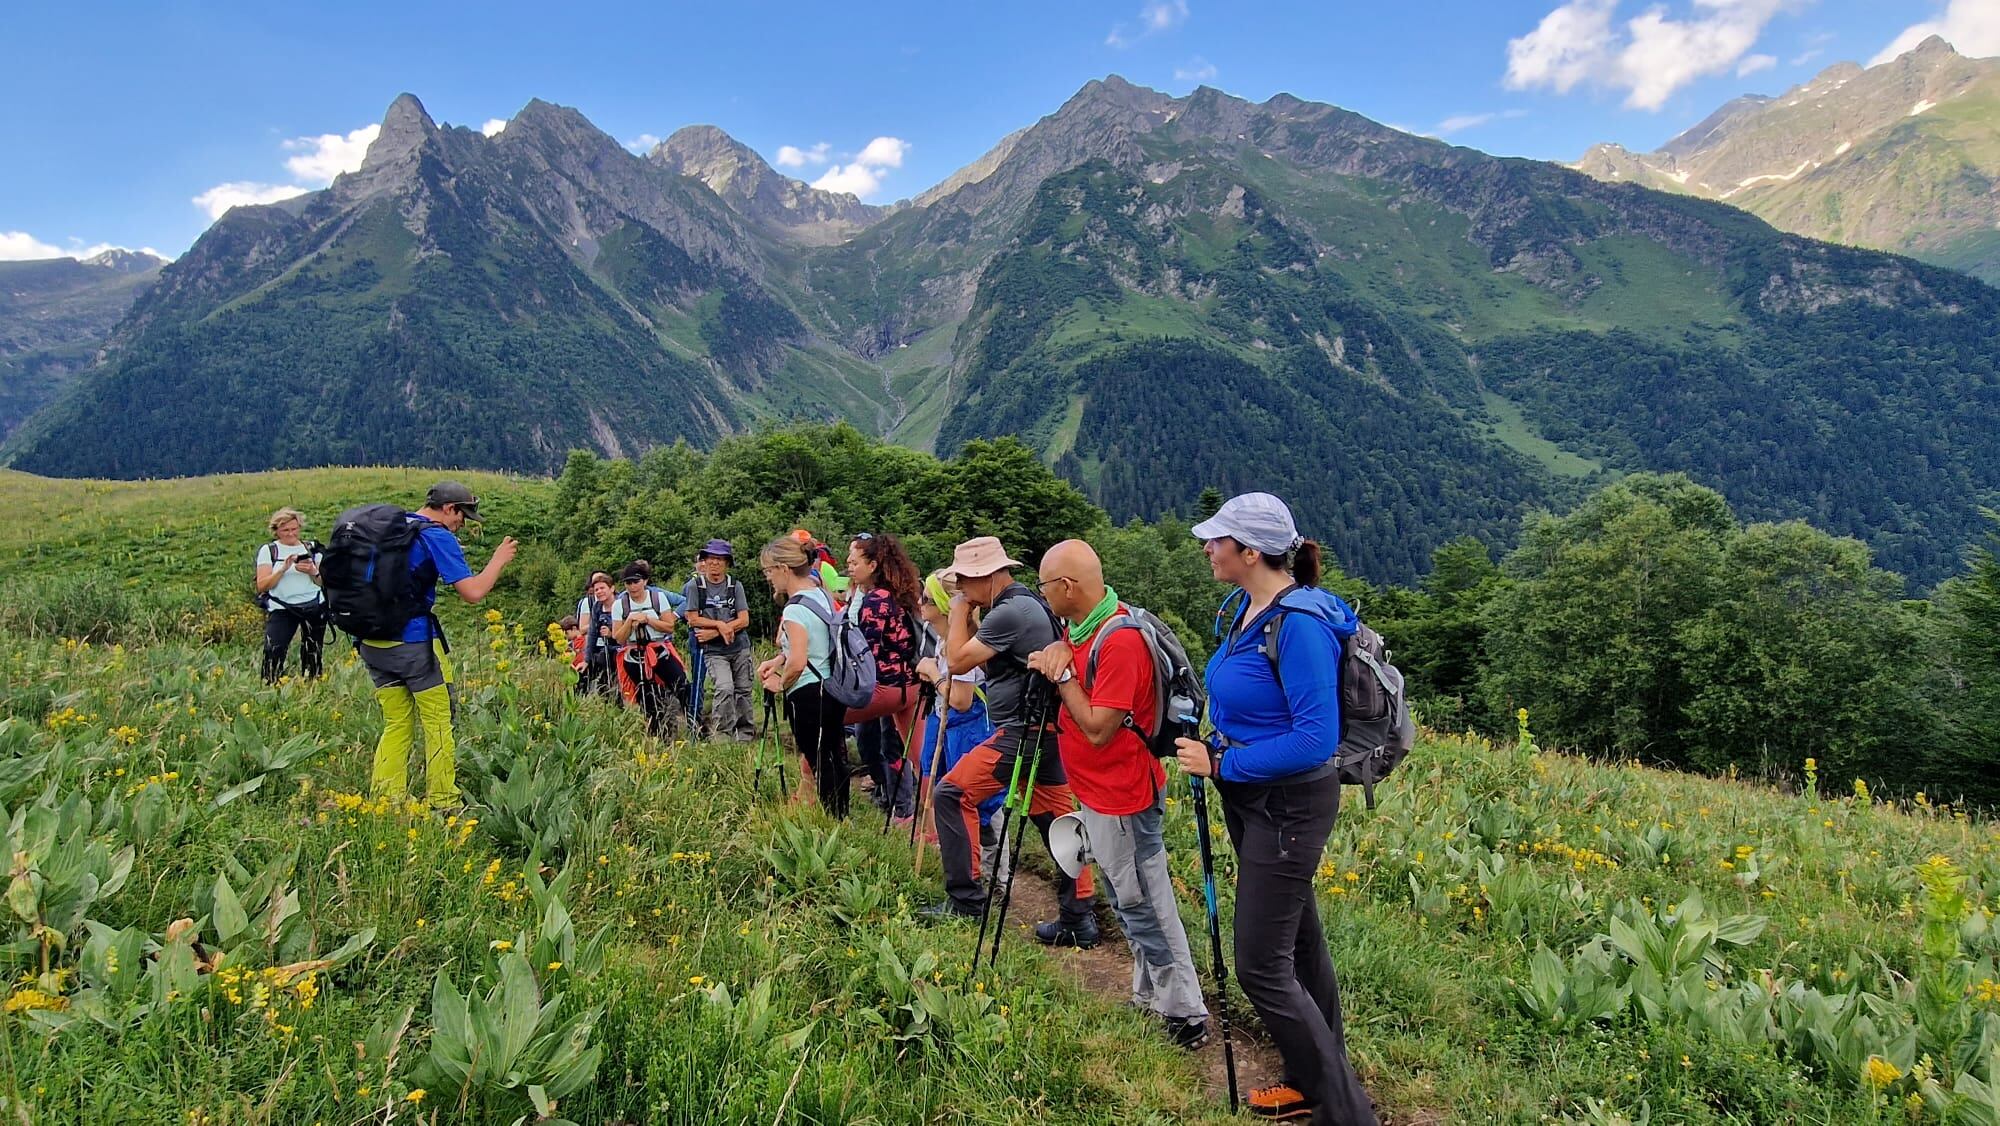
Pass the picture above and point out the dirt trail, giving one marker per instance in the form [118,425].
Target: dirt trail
[1107,970]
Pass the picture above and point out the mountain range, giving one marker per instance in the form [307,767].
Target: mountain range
[54,315]
[1410,340]
[1902,156]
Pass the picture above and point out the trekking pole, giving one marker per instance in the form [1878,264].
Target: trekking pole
[757,753]
[1022,802]
[902,768]
[698,670]
[999,855]
[930,772]
[1200,792]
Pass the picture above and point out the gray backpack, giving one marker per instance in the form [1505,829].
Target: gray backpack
[1376,731]
[1177,689]
[850,673]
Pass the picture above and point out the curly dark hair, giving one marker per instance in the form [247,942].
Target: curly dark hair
[894,572]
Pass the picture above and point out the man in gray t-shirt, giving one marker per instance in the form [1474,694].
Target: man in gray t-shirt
[1016,625]
[718,612]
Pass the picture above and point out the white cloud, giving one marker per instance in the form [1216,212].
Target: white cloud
[643,143]
[883,152]
[1751,64]
[1972,27]
[1804,57]
[1155,17]
[1650,57]
[1196,69]
[20,246]
[1458,123]
[792,156]
[493,126]
[237,193]
[322,158]
[858,179]
[862,175]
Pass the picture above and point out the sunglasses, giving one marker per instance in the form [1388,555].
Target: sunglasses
[863,537]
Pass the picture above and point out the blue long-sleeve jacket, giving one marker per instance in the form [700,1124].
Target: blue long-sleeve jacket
[1276,732]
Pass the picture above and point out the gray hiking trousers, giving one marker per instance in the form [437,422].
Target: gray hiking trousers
[1132,855]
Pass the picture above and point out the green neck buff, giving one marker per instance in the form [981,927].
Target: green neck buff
[1080,631]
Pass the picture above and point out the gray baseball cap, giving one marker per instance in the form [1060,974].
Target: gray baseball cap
[1255,520]
[453,493]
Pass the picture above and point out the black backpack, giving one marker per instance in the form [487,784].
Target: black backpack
[371,590]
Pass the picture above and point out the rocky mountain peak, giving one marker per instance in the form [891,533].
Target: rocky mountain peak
[406,129]
[733,170]
[1932,50]
[713,157]
[121,261]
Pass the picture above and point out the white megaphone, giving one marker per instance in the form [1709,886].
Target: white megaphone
[1070,844]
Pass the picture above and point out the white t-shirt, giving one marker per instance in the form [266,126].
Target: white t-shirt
[654,597]
[294,587]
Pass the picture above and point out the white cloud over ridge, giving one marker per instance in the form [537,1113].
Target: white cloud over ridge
[861,176]
[1459,123]
[1751,64]
[1972,27]
[322,158]
[1650,57]
[244,193]
[792,156]
[314,163]
[493,126]
[20,246]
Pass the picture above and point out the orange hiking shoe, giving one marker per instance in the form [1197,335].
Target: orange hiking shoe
[1278,1103]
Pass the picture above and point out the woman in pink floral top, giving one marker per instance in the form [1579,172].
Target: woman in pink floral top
[883,602]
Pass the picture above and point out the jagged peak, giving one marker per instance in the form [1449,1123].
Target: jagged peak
[1933,47]
[405,128]
[123,261]
[1113,90]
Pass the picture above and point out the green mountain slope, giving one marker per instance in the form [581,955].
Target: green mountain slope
[54,315]
[1411,340]
[1903,156]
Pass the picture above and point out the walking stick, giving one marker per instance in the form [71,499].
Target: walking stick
[1023,801]
[1214,923]
[902,767]
[930,772]
[757,750]
[696,674]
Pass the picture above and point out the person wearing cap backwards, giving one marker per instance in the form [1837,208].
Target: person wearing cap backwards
[718,614]
[1014,626]
[1277,727]
[412,676]
[1103,671]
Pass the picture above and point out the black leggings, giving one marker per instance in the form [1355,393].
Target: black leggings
[280,623]
[819,727]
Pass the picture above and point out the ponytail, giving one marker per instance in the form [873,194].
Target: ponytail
[1302,562]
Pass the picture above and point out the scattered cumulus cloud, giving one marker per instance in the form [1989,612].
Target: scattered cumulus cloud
[319,159]
[1154,18]
[792,156]
[244,193]
[313,164]
[1650,56]
[493,126]
[1196,69]
[1972,27]
[643,143]
[1459,123]
[1751,64]
[863,173]
[20,246]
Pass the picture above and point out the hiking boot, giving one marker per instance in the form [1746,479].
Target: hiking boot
[1278,1103]
[1187,1033]
[1082,935]
[948,909]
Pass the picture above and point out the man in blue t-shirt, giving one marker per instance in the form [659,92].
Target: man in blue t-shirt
[412,676]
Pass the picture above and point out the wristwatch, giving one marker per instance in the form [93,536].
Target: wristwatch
[1068,675]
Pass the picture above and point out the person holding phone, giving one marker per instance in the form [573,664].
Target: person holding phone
[288,589]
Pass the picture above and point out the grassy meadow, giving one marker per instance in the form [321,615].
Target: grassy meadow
[207,921]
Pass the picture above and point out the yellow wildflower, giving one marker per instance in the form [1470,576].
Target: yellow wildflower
[1880,1072]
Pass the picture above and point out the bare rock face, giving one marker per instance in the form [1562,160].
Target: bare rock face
[791,208]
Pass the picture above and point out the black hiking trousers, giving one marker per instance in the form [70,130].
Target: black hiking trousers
[819,727]
[1279,832]
[281,622]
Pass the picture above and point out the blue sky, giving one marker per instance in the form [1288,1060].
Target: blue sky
[121,117]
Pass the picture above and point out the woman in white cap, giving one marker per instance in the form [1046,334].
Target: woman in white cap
[1275,702]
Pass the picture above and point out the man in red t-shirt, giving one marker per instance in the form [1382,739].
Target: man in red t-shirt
[1108,705]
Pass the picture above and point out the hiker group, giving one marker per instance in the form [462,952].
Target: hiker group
[1003,703]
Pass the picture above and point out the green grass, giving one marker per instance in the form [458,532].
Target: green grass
[1512,429]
